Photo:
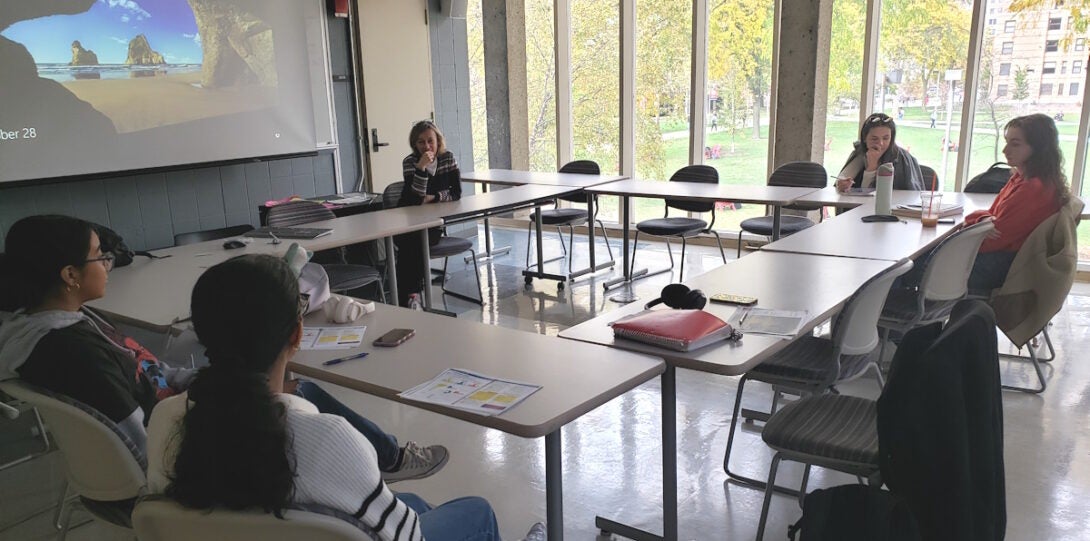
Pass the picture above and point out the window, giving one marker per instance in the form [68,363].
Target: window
[1046,89]
[1008,47]
[1080,44]
[1073,89]
[1005,68]
[1048,67]
[1076,67]
[991,22]
[845,82]
[1054,23]
[1052,45]
[478,110]
[540,87]
[1001,91]
[1008,27]
[1063,67]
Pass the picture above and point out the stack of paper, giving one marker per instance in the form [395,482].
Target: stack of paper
[470,391]
[786,323]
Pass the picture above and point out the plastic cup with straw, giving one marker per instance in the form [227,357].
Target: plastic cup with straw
[931,204]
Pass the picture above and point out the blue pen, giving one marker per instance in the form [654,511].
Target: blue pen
[332,362]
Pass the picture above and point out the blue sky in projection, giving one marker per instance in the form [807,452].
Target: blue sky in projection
[108,27]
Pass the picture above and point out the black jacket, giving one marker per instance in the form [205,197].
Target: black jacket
[906,170]
[940,427]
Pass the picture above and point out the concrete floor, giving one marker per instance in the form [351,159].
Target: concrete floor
[612,456]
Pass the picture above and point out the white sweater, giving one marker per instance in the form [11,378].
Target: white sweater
[335,465]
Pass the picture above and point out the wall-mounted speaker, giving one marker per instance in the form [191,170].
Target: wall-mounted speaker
[455,9]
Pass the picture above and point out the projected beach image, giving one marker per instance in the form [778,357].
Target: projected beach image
[140,64]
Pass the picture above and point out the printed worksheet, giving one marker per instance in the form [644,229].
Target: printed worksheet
[470,391]
[784,323]
[332,337]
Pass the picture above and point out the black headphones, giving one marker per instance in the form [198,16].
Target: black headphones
[680,296]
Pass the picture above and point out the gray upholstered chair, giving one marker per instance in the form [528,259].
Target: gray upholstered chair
[929,175]
[813,365]
[679,227]
[105,467]
[158,518]
[342,276]
[798,174]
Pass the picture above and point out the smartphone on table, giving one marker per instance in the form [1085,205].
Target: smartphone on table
[734,299]
[395,337]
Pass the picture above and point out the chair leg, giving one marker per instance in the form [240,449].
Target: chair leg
[635,246]
[605,238]
[802,488]
[719,241]
[1048,343]
[733,427]
[560,236]
[738,251]
[571,244]
[529,235]
[60,506]
[681,276]
[63,531]
[476,274]
[768,496]
[1036,368]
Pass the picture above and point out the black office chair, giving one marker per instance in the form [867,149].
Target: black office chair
[798,174]
[929,175]
[343,276]
[445,248]
[569,217]
[683,228]
[194,237]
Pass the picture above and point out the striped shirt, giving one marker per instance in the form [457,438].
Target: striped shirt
[445,182]
[335,465]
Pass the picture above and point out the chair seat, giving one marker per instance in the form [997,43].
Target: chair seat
[901,306]
[837,427]
[667,227]
[808,359]
[762,225]
[343,277]
[564,216]
[448,246]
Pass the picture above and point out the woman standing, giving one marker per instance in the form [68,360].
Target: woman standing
[877,145]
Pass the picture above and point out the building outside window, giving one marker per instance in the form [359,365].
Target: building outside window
[1005,68]
[1008,27]
[1076,67]
[1080,44]
[1073,89]
[1048,68]
[1052,45]
[1001,91]
[1008,47]
[1054,23]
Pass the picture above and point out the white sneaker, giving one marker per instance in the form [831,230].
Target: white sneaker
[418,462]
[537,532]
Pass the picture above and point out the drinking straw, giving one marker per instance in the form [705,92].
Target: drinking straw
[930,202]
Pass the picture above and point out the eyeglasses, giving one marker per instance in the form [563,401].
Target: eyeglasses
[880,119]
[107,260]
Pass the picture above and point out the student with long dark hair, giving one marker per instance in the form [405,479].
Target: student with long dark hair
[1036,190]
[237,440]
[877,145]
[53,265]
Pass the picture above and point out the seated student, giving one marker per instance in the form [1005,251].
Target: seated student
[55,264]
[1036,190]
[236,439]
[877,145]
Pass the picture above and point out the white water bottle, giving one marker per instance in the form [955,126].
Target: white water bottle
[883,192]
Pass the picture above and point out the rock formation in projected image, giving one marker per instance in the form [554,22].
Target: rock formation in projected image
[140,53]
[82,57]
[237,43]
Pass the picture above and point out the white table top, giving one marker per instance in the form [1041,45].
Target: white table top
[817,284]
[698,191]
[846,236]
[829,197]
[575,377]
[472,207]
[510,177]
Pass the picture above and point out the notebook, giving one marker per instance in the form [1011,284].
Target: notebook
[289,232]
[679,330]
[913,211]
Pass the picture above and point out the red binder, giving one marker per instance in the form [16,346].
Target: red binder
[679,330]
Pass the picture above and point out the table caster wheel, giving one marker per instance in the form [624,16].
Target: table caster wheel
[529,280]
[560,286]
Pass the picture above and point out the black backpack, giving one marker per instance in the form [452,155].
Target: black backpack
[113,243]
[855,513]
[990,181]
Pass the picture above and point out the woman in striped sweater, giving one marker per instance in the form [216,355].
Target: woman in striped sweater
[237,440]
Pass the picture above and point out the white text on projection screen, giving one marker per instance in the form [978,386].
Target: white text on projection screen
[91,86]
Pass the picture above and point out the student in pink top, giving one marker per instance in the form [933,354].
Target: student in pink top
[1036,190]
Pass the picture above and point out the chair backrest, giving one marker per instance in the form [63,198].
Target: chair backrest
[103,464]
[855,330]
[929,175]
[391,196]
[194,237]
[694,173]
[161,519]
[297,213]
[800,174]
[581,167]
[946,277]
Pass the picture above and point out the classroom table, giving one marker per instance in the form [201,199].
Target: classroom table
[847,236]
[776,196]
[507,177]
[818,284]
[830,197]
[604,374]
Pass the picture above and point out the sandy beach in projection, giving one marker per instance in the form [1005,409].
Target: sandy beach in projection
[149,102]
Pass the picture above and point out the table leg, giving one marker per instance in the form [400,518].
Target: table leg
[488,253]
[554,493]
[590,225]
[624,296]
[426,243]
[777,212]
[391,269]
[669,472]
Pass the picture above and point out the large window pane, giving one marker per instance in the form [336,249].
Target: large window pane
[845,81]
[541,85]
[595,88]
[739,87]
[663,60]
[923,45]
[478,111]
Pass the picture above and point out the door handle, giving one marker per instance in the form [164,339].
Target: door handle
[374,141]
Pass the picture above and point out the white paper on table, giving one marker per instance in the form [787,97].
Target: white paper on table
[470,391]
[786,323]
[332,337]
